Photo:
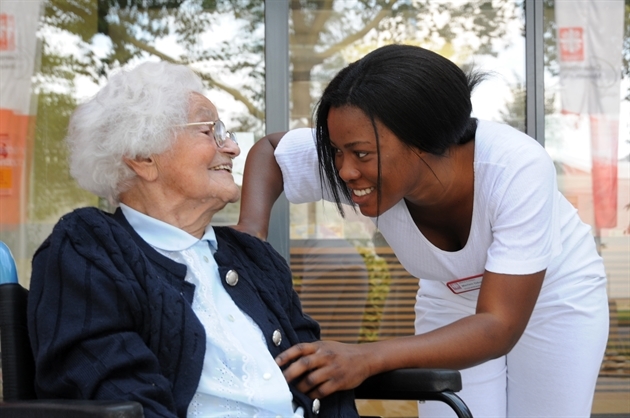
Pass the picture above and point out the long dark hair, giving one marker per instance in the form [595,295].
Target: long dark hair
[422,97]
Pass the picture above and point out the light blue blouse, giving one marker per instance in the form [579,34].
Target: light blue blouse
[240,377]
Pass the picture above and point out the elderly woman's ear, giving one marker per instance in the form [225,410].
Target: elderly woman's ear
[144,167]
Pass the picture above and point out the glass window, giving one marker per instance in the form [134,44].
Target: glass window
[325,37]
[56,53]
[587,133]
[345,261]
[347,276]
[60,52]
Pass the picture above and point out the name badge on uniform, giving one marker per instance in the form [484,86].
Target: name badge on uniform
[466,284]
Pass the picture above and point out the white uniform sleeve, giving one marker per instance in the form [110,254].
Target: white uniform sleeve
[297,157]
[524,205]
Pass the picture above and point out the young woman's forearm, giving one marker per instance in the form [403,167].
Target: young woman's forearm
[463,344]
[503,310]
[504,307]
[262,184]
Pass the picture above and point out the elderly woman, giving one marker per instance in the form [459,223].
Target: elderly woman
[152,303]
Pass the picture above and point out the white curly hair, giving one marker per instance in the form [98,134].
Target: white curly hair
[134,115]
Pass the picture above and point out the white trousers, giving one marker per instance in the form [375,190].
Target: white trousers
[552,370]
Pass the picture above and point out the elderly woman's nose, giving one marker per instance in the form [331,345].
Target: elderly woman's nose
[231,148]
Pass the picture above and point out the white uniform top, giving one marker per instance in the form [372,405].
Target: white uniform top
[521,223]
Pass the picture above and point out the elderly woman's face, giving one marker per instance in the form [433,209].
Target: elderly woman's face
[195,169]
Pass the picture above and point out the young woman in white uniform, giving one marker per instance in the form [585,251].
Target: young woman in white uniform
[512,290]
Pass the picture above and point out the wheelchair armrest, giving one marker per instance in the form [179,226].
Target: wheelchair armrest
[18,366]
[416,385]
[409,384]
[65,408]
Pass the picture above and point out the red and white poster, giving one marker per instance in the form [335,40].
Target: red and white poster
[590,39]
[18,42]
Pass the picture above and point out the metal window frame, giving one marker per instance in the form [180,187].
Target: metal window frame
[534,67]
[277,82]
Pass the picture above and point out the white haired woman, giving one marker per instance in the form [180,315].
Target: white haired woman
[152,303]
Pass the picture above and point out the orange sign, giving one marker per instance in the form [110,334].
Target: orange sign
[6,180]
[7,32]
[14,131]
[18,49]
[571,41]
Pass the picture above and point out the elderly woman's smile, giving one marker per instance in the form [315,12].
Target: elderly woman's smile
[192,180]
[227,167]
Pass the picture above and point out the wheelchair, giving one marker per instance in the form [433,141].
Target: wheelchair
[18,371]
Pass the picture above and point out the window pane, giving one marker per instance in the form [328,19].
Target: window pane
[347,276]
[74,46]
[325,37]
[587,133]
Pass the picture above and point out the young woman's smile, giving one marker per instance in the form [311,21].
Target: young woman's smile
[357,160]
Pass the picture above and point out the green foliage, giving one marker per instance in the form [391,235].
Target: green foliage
[53,192]
[100,36]
[515,109]
[617,356]
[324,37]
[379,280]
[320,32]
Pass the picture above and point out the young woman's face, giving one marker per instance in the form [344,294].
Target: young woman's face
[356,158]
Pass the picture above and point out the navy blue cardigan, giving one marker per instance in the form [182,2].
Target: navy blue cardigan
[111,318]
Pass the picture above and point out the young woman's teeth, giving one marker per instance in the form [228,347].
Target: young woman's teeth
[363,192]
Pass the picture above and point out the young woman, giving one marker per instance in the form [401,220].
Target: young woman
[512,291]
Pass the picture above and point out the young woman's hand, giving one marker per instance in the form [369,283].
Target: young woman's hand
[323,367]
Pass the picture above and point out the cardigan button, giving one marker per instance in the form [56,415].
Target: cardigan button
[231,278]
[276,337]
[316,406]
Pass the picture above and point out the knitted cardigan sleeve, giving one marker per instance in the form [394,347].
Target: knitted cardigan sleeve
[91,323]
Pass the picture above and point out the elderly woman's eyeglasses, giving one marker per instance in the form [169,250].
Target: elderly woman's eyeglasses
[219,132]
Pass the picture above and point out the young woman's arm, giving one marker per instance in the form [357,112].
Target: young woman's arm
[262,185]
[503,310]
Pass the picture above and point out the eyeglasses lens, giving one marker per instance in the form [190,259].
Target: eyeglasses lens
[220,133]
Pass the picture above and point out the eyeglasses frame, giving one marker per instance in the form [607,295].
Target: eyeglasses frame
[219,141]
